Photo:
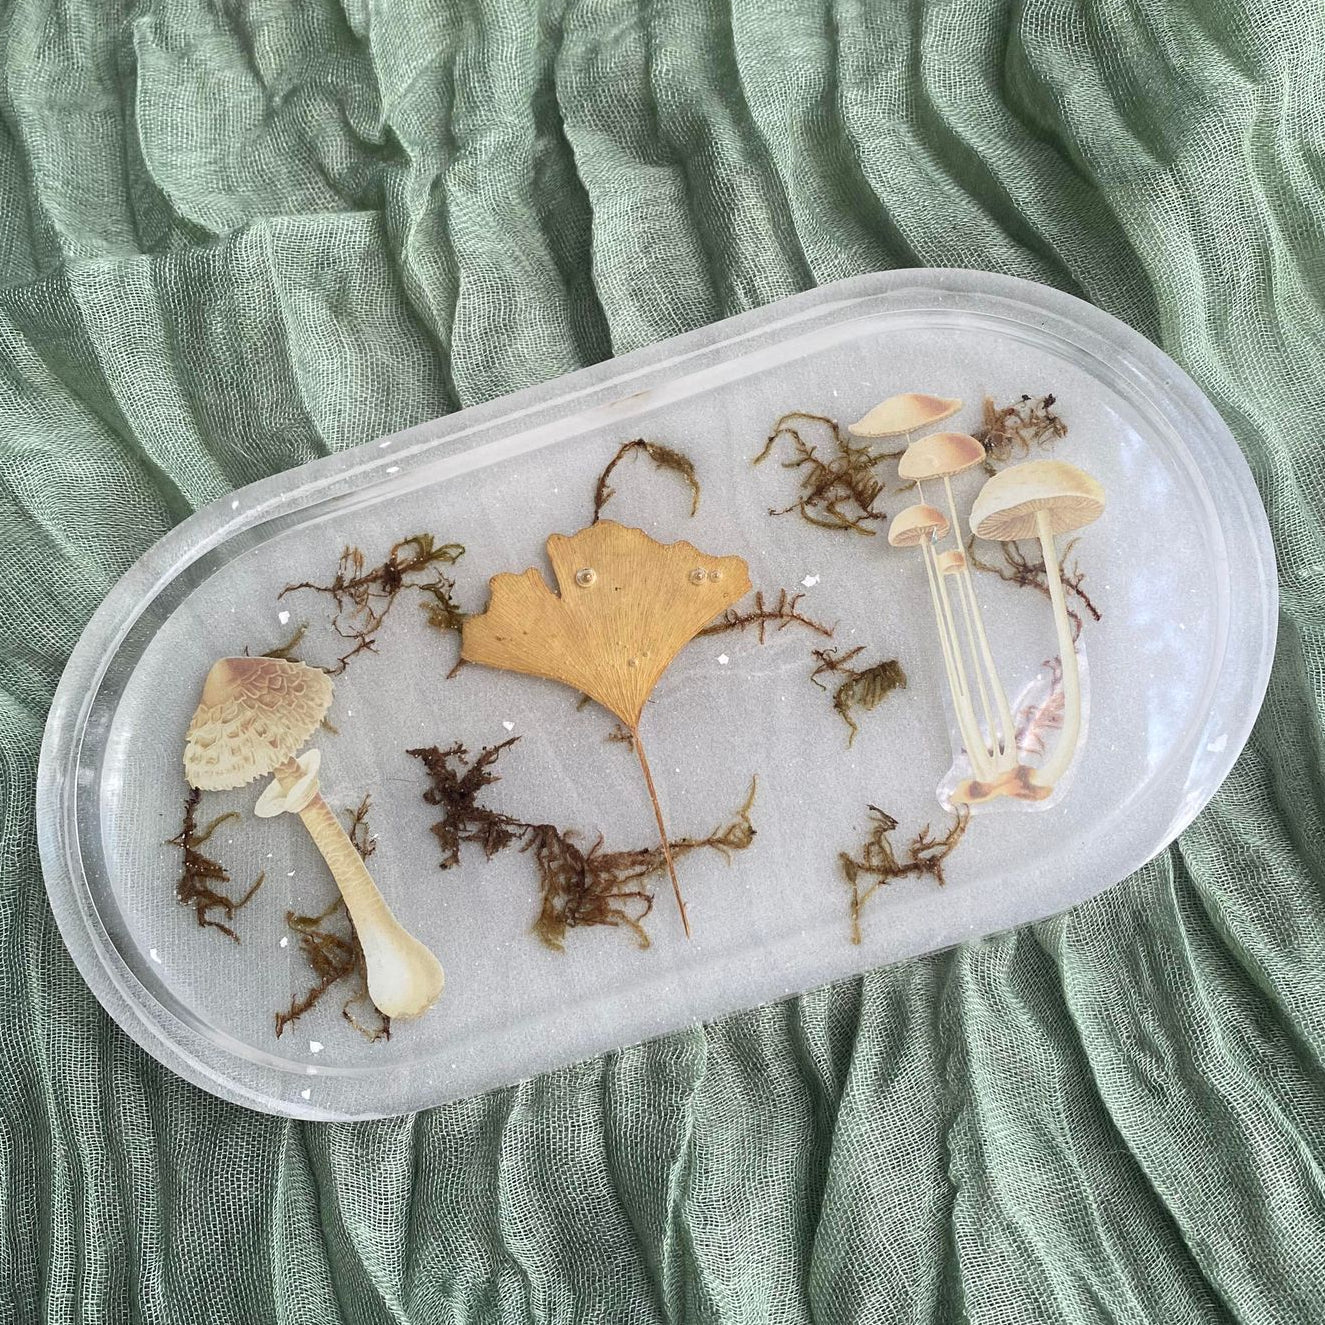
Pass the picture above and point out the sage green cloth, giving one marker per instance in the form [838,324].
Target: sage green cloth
[236,236]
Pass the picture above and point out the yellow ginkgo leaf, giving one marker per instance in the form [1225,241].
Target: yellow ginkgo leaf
[626,606]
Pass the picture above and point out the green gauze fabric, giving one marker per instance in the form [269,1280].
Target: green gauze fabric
[235,236]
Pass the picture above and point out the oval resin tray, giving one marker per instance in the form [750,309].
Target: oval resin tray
[840,779]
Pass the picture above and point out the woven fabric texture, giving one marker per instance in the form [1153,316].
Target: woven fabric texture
[235,236]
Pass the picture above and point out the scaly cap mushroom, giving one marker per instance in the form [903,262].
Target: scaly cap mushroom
[940,455]
[255,713]
[916,524]
[905,413]
[1009,503]
[626,606]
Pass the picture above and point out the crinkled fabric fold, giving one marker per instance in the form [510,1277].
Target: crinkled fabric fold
[238,236]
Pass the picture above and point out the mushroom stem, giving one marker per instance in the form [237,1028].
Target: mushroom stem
[1003,741]
[662,827]
[961,700]
[404,977]
[993,744]
[1049,774]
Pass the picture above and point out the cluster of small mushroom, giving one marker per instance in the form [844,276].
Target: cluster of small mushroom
[1036,499]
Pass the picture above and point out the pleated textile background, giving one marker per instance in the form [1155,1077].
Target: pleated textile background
[237,236]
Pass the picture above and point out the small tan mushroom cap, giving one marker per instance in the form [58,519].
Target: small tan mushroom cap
[255,713]
[899,414]
[1009,503]
[915,524]
[940,455]
[951,561]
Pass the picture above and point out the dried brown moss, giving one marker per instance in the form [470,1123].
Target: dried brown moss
[622,735]
[364,596]
[287,650]
[878,865]
[1028,571]
[332,949]
[1008,432]
[859,689]
[785,612]
[577,887]
[1035,721]
[199,884]
[664,457]
[839,490]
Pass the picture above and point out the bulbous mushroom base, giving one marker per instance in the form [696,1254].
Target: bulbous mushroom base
[1017,783]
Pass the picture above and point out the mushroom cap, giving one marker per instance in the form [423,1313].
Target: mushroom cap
[906,413]
[940,454]
[915,524]
[255,713]
[1009,503]
[951,561]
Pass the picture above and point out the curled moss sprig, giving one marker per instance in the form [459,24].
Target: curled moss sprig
[364,596]
[1009,431]
[200,880]
[878,865]
[663,457]
[838,490]
[859,689]
[1027,570]
[786,611]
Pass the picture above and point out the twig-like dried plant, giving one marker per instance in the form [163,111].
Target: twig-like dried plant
[578,887]
[286,651]
[199,882]
[862,689]
[785,612]
[664,457]
[364,596]
[1036,721]
[838,491]
[625,607]
[1028,571]
[877,865]
[1009,431]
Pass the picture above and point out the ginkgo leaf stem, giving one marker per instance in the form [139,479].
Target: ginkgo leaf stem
[662,827]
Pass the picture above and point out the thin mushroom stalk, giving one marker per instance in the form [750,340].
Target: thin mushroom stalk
[950,565]
[921,526]
[1041,499]
[254,715]
[942,455]
[1005,736]
[1066,746]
